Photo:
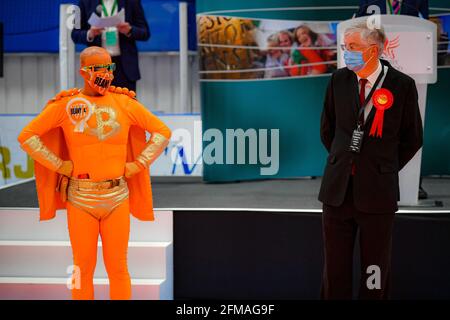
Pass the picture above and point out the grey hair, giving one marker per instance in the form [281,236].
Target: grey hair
[374,35]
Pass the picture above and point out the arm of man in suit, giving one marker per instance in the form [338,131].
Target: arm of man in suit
[423,8]
[80,35]
[411,131]
[139,28]
[328,118]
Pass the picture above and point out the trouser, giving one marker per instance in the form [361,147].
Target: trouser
[114,231]
[120,78]
[340,226]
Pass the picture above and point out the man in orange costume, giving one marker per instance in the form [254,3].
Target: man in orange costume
[93,142]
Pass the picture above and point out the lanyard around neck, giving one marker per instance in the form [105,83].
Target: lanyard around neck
[374,87]
[391,8]
[105,12]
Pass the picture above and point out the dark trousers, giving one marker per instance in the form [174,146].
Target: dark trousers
[120,78]
[340,226]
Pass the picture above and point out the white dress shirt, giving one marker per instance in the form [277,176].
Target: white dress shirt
[113,50]
[371,79]
[108,5]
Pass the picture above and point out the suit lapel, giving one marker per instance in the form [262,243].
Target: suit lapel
[354,94]
[120,4]
[350,97]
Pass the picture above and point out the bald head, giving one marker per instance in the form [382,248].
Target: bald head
[94,55]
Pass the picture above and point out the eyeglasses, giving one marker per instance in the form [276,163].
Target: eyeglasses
[111,67]
[351,48]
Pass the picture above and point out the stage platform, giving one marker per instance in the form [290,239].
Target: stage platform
[192,193]
[243,240]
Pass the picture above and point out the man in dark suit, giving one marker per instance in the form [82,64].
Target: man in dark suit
[122,44]
[417,8]
[360,185]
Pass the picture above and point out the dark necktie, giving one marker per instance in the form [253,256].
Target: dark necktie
[362,96]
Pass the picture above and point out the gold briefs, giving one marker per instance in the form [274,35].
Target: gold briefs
[98,198]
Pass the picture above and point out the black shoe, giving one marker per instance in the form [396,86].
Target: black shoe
[422,194]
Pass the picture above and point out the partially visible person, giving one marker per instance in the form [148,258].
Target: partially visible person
[120,41]
[417,8]
[92,157]
[276,59]
[305,35]
[306,61]
[443,47]
[286,40]
[371,127]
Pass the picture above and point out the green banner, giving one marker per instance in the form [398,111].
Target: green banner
[243,105]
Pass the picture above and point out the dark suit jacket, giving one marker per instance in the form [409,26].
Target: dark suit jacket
[408,7]
[375,184]
[134,15]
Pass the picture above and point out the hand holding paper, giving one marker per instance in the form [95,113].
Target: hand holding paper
[105,22]
[94,31]
[124,28]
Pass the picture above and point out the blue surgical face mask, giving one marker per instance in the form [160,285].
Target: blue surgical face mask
[354,60]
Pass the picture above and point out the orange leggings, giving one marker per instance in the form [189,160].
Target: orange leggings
[114,230]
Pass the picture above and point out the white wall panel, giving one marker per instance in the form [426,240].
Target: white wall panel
[49,79]
[13,85]
[32,93]
[147,86]
[31,79]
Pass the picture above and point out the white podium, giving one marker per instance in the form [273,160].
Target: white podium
[411,48]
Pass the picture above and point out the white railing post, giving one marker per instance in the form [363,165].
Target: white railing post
[184,63]
[66,46]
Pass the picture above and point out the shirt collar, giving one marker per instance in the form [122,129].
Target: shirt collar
[373,77]
[108,4]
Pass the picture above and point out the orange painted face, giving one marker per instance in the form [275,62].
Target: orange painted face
[97,69]
[100,77]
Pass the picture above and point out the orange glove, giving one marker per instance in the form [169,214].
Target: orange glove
[132,168]
[66,168]
[63,183]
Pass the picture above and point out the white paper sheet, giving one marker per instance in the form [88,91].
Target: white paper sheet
[106,22]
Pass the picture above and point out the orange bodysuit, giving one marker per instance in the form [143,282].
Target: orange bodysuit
[99,135]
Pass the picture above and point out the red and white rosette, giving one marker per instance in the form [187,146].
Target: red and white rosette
[382,99]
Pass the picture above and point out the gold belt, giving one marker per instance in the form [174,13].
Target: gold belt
[98,198]
[95,185]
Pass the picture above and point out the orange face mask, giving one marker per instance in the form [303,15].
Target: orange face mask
[100,77]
